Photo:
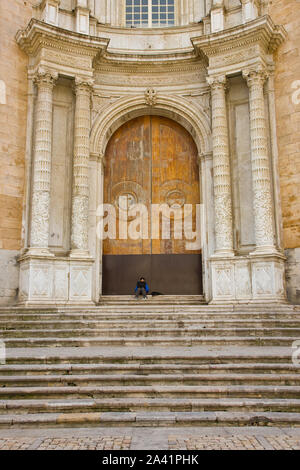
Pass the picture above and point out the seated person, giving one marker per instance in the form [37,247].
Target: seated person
[141,288]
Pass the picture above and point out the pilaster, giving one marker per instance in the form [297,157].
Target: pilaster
[40,205]
[221,168]
[80,195]
[262,196]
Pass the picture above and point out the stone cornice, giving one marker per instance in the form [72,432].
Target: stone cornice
[146,58]
[149,68]
[39,34]
[261,30]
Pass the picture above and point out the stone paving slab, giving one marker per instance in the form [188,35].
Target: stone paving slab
[71,443]
[168,438]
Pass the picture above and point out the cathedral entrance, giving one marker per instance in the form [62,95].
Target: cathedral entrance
[152,169]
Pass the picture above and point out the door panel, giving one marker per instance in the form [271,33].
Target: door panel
[128,172]
[167,274]
[152,160]
[175,175]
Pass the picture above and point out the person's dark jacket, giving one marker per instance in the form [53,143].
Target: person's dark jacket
[142,285]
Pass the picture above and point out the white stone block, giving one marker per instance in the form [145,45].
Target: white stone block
[2,92]
[249,10]
[223,280]
[243,290]
[61,281]
[50,11]
[82,21]
[217,20]
[80,281]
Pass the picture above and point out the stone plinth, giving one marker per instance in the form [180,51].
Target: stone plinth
[53,280]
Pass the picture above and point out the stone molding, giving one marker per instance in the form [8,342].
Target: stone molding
[190,116]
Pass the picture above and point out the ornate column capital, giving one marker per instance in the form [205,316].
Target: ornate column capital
[204,156]
[83,85]
[217,82]
[98,157]
[256,76]
[44,77]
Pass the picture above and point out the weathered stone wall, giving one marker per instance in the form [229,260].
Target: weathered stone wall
[287,88]
[14,15]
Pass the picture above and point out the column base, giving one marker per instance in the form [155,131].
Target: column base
[76,253]
[255,278]
[50,280]
[223,254]
[36,251]
[264,250]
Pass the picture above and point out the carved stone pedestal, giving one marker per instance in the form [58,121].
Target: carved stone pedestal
[252,278]
[48,280]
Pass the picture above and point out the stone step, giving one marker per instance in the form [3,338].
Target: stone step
[150,318]
[143,369]
[128,332]
[106,355]
[154,391]
[89,380]
[173,299]
[13,325]
[183,340]
[149,419]
[150,315]
[141,307]
[155,404]
[157,301]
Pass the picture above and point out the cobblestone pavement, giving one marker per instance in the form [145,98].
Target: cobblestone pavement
[81,443]
[234,443]
[152,438]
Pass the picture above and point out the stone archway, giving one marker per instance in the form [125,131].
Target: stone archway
[189,116]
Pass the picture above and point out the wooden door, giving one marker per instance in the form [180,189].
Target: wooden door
[151,160]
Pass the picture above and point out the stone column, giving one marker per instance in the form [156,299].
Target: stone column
[80,195]
[40,206]
[100,199]
[221,168]
[262,195]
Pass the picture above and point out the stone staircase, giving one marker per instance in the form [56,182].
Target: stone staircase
[167,361]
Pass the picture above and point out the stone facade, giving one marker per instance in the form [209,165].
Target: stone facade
[287,91]
[218,72]
[13,122]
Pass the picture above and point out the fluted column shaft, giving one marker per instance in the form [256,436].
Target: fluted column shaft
[262,196]
[80,197]
[40,207]
[221,167]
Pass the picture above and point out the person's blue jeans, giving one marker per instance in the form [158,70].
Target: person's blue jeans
[141,291]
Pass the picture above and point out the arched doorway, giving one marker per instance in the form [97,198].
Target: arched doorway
[152,160]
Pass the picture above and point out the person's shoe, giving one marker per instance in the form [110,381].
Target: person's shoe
[145,298]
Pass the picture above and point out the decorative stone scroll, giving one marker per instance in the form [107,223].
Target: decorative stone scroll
[80,197]
[221,167]
[150,97]
[262,199]
[42,160]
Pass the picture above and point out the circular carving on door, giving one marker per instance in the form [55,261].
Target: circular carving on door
[125,195]
[175,199]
